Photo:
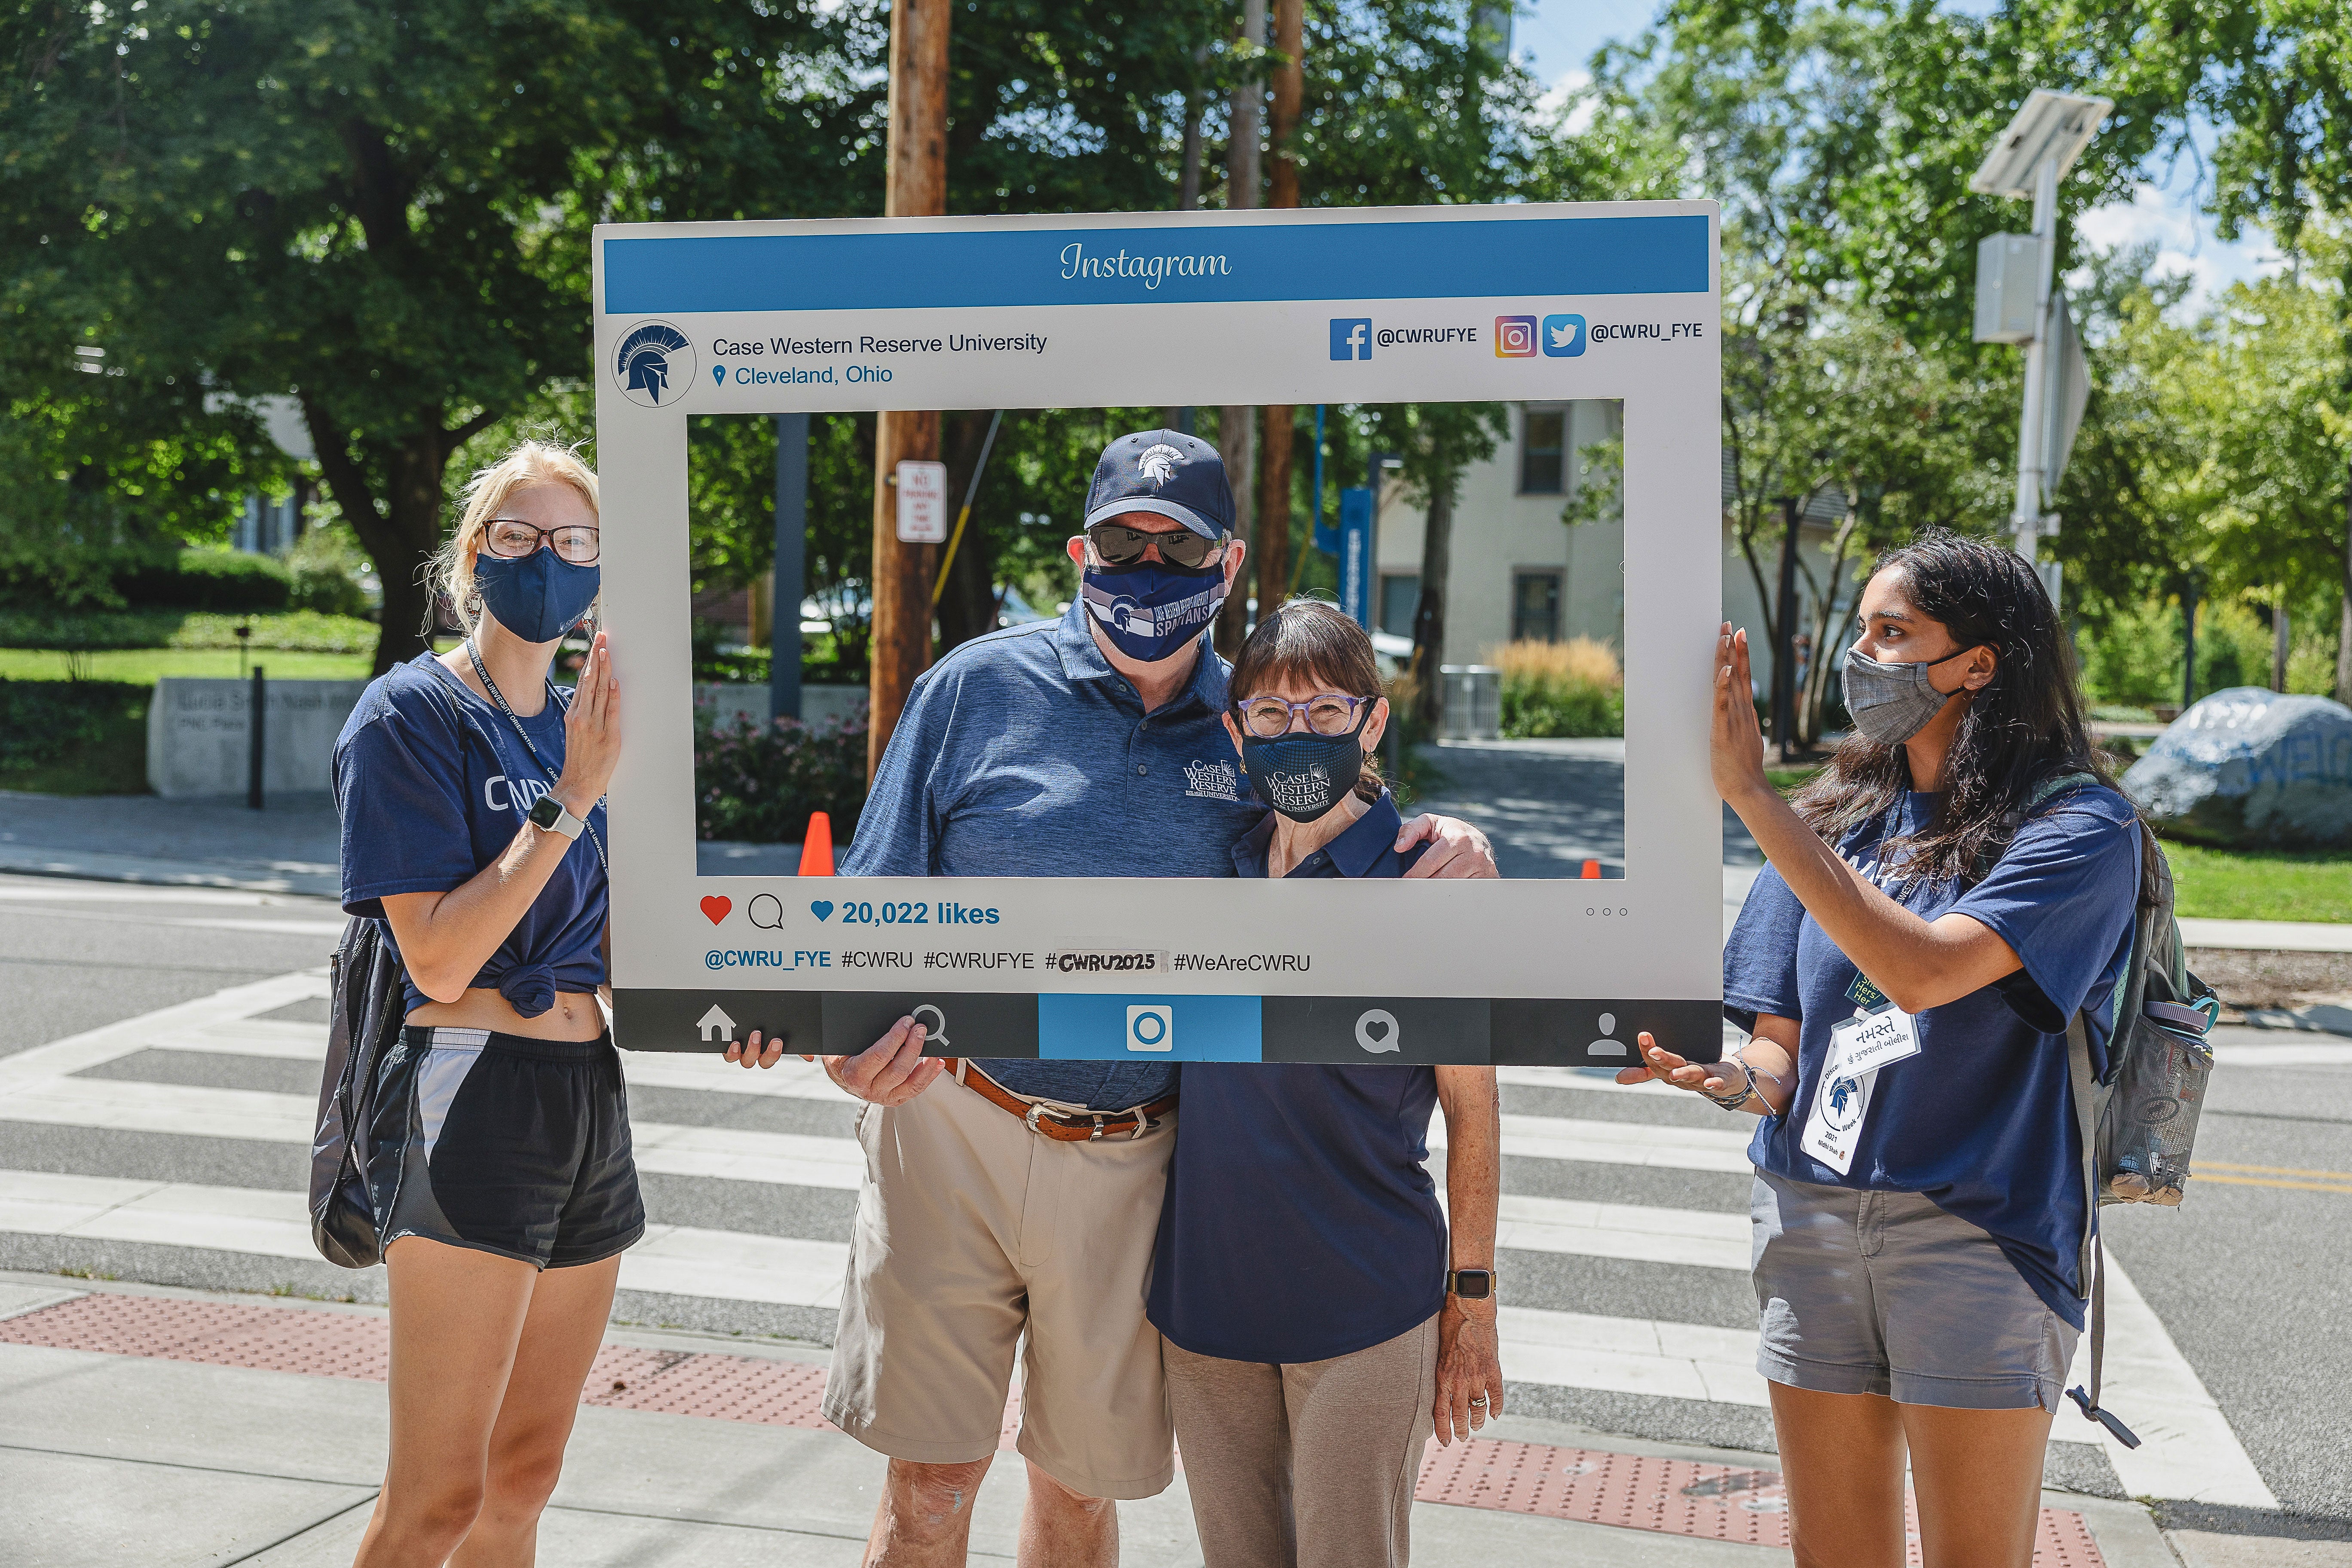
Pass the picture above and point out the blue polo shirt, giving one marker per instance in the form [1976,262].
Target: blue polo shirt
[1300,1221]
[1023,753]
[1982,1121]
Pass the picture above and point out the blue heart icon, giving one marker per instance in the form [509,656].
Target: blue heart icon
[718,375]
[822,908]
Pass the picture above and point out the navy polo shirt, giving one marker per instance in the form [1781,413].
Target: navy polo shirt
[1300,1221]
[1024,753]
[1982,1121]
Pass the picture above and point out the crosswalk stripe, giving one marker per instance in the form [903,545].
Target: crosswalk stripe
[2189,1452]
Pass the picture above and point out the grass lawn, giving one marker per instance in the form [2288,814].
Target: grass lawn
[144,666]
[2261,885]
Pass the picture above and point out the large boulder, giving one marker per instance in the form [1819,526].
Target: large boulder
[2250,767]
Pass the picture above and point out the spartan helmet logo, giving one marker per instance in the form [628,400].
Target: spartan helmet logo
[655,363]
[1158,464]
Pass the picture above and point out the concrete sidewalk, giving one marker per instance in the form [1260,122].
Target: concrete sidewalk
[291,847]
[220,1429]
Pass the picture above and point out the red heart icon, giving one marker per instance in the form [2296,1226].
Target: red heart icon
[716,906]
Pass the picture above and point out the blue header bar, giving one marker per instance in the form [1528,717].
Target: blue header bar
[1433,259]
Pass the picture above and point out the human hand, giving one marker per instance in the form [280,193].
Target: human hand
[1735,744]
[891,1071]
[1469,1368]
[1727,1077]
[748,1053]
[591,734]
[1456,849]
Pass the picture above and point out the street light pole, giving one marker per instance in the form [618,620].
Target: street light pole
[2025,518]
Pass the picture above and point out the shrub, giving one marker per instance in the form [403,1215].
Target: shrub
[1563,688]
[74,737]
[758,782]
[2135,660]
[224,581]
[299,630]
[2233,648]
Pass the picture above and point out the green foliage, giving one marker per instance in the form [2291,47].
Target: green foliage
[1572,689]
[2134,660]
[223,580]
[304,631]
[83,737]
[758,782]
[2233,648]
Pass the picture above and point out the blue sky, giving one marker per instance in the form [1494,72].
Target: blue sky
[1561,36]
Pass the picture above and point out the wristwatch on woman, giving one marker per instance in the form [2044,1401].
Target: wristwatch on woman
[549,815]
[1471,1284]
[1747,1091]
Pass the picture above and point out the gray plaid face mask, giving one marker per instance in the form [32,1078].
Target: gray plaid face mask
[1892,702]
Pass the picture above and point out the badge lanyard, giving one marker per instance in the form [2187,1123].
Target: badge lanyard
[1858,1047]
[499,697]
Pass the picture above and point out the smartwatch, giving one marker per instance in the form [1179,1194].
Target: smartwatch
[1471,1284]
[547,814]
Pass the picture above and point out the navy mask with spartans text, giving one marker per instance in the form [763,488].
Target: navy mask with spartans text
[1151,610]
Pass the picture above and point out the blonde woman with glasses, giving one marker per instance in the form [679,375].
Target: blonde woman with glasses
[471,791]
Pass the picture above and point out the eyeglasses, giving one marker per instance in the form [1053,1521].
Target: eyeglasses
[511,538]
[1327,713]
[1119,546]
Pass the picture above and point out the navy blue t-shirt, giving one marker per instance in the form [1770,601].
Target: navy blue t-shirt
[1024,753]
[1300,1222]
[433,785]
[1982,1121]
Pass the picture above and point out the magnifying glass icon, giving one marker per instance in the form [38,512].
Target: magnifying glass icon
[935,1032]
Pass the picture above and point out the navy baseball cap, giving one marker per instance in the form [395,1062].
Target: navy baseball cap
[1166,473]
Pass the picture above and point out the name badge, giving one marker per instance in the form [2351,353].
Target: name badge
[1858,1049]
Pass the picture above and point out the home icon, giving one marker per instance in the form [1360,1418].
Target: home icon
[716,1024]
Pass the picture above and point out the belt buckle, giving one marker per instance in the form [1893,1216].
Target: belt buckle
[1097,1138]
[1036,1110]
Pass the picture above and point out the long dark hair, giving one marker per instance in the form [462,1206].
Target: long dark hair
[2022,728]
[1315,643]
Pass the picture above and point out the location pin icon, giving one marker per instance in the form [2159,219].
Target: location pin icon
[717,376]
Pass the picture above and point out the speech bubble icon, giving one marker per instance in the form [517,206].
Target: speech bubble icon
[1377,1031]
[765,911]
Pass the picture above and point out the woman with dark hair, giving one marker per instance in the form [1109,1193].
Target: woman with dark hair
[1955,888]
[1318,1318]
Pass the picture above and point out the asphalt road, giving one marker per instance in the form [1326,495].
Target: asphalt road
[2253,1281]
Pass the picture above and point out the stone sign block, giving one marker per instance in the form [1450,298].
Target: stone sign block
[199,736]
[2250,767]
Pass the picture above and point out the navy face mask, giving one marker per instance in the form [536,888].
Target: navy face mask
[539,597]
[1303,774]
[1151,610]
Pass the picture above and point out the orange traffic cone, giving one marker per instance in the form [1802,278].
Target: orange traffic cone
[816,848]
[1592,870]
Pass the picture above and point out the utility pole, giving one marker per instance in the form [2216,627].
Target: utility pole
[2343,621]
[1237,426]
[1273,464]
[916,186]
[792,566]
[1784,638]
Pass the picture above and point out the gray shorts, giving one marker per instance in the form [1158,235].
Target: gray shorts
[1885,1294]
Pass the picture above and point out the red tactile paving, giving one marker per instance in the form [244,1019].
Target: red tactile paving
[1671,1497]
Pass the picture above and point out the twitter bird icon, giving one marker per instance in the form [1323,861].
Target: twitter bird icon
[1563,336]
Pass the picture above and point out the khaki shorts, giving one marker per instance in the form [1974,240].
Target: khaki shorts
[973,1231]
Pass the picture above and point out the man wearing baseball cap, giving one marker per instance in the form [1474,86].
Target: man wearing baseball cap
[1022,1196]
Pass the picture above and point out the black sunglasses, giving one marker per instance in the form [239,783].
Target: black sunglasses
[1119,545]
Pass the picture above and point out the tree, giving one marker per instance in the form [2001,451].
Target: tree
[384,210]
[1438,442]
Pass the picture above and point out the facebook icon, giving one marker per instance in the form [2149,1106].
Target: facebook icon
[1351,338]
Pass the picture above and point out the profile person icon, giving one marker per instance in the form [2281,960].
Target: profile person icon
[1607,1048]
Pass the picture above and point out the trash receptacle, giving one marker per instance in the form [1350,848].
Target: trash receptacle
[1470,702]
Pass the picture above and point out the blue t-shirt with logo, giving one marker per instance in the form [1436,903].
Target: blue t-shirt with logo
[1982,1121]
[1024,753]
[433,785]
[1300,1221]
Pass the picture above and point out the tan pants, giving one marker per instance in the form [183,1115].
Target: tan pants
[971,1232]
[1311,1466]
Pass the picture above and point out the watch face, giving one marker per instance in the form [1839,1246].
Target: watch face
[546,811]
[1473,1284]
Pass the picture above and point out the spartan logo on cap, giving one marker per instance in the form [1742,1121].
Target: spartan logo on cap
[655,364]
[1158,464]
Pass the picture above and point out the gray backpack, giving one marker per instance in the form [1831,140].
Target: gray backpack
[2139,1123]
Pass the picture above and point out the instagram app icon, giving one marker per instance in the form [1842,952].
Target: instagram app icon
[1515,337]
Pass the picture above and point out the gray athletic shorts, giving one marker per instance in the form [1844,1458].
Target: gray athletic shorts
[1885,1294]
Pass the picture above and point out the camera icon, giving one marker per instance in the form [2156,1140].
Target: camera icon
[1515,337]
[1151,1028]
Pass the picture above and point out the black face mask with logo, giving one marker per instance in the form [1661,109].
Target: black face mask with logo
[1302,775]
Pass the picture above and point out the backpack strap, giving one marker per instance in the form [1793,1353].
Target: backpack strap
[2091,1260]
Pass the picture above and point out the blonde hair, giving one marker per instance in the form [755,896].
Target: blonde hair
[526,463]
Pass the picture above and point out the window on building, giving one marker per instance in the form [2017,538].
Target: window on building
[1535,606]
[1543,445]
[1400,593]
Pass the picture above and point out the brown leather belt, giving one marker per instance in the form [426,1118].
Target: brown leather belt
[1063,1127]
